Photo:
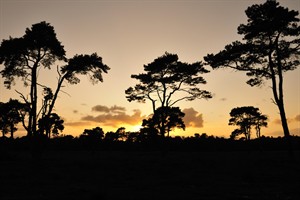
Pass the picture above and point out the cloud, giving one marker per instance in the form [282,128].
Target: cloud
[192,118]
[75,111]
[114,116]
[297,118]
[105,109]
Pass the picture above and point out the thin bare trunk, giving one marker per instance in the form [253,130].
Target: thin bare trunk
[34,101]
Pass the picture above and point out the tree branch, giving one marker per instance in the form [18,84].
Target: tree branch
[23,97]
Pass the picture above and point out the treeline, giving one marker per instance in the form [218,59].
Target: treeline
[197,142]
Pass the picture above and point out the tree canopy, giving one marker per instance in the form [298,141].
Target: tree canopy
[21,56]
[164,77]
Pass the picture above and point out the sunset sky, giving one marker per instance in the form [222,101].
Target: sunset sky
[128,34]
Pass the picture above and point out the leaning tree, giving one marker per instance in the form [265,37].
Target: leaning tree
[39,49]
[270,47]
[167,81]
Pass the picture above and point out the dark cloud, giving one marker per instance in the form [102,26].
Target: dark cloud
[192,118]
[75,111]
[114,116]
[105,109]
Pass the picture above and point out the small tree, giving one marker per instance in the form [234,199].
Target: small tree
[11,113]
[260,121]
[111,136]
[121,134]
[164,120]
[271,47]
[52,124]
[94,134]
[246,117]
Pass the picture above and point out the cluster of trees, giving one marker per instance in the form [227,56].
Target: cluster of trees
[11,113]
[245,118]
[270,47]
[23,57]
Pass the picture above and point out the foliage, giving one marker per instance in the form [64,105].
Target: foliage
[167,80]
[95,133]
[166,76]
[271,47]
[39,48]
[164,120]
[22,57]
[52,124]
[11,113]
[246,117]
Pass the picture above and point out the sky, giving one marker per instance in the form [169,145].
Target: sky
[128,34]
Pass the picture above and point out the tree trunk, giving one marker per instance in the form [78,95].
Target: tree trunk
[279,97]
[34,100]
[280,103]
[257,131]
[33,103]
[284,123]
[12,131]
[285,128]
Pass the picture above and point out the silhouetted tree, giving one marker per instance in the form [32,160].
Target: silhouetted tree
[165,77]
[11,113]
[52,124]
[133,137]
[39,48]
[246,117]
[22,57]
[121,134]
[111,136]
[260,121]
[271,47]
[95,133]
[234,134]
[148,132]
[165,119]
[46,102]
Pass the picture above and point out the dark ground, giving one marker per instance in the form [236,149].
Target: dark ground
[150,175]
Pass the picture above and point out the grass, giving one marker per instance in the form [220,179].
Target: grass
[150,175]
